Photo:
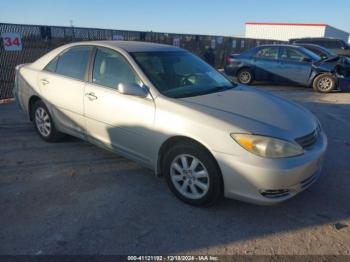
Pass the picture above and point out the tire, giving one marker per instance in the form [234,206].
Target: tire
[324,83]
[245,76]
[44,124]
[204,184]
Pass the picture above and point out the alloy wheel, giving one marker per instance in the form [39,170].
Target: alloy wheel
[189,176]
[245,77]
[325,83]
[43,121]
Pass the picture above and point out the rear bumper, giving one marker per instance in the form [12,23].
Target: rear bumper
[271,181]
[230,70]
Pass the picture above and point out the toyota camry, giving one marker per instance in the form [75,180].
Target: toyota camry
[170,111]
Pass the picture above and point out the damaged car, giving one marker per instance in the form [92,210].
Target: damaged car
[290,64]
[327,55]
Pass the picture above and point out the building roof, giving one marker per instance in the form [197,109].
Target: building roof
[286,24]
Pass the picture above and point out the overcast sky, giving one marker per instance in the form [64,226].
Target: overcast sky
[216,17]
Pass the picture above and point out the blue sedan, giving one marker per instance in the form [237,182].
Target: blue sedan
[289,63]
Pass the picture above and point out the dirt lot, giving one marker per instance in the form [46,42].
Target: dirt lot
[74,198]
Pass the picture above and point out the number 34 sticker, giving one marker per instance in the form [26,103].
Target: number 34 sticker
[12,41]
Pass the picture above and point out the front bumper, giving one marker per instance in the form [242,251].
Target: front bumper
[248,179]
[344,84]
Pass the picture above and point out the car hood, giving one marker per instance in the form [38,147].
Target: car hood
[340,64]
[253,111]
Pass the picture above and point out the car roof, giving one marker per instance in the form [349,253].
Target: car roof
[280,45]
[133,46]
[272,45]
[309,44]
[314,38]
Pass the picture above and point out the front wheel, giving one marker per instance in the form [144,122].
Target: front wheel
[324,83]
[192,175]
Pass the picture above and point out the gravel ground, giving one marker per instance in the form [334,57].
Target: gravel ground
[74,198]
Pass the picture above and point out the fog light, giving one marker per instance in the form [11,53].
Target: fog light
[275,193]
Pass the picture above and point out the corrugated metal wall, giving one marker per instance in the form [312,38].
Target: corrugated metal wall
[336,33]
[283,32]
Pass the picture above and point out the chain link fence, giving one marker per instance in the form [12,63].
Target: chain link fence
[36,40]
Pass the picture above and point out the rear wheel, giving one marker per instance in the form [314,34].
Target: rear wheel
[192,174]
[324,83]
[43,123]
[245,76]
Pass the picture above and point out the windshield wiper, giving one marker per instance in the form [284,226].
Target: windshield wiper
[210,91]
[220,89]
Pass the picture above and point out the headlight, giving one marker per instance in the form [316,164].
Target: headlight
[267,146]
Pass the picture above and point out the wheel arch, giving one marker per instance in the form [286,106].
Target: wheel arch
[172,141]
[318,73]
[32,100]
[313,78]
[245,67]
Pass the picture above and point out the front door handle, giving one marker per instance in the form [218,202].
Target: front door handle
[91,96]
[44,81]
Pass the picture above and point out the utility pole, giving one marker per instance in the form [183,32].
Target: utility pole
[72,26]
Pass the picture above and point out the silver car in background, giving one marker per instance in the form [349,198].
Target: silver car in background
[170,111]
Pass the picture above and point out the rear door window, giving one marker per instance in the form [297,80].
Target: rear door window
[73,63]
[267,53]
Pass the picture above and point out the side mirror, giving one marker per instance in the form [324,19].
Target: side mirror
[132,90]
[307,59]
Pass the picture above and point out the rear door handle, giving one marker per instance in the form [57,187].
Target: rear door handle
[45,81]
[91,96]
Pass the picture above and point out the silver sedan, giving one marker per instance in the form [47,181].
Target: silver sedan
[170,111]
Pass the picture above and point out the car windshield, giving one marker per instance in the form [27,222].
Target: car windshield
[311,54]
[320,51]
[330,52]
[181,74]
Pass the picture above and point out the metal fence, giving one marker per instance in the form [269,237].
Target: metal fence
[37,40]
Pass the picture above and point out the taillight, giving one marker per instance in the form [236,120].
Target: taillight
[232,61]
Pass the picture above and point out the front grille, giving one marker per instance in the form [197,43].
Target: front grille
[275,193]
[308,140]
